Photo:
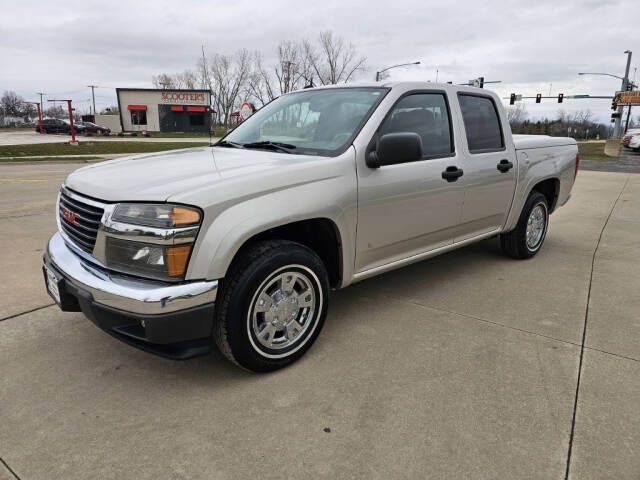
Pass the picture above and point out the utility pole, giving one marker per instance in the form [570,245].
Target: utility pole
[93,95]
[41,94]
[625,82]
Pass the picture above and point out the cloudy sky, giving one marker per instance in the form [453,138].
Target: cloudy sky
[59,47]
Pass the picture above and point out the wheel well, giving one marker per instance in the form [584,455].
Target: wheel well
[549,188]
[319,234]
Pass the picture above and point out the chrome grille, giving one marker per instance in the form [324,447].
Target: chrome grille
[81,226]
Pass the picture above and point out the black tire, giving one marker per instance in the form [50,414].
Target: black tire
[236,307]
[514,243]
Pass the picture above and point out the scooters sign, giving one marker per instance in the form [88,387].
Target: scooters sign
[183,97]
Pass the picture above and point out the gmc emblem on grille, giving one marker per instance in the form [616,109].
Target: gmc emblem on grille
[69,216]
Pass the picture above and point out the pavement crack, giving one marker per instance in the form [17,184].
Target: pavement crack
[584,332]
[613,354]
[27,311]
[9,468]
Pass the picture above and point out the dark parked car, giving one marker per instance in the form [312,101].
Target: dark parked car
[54,125]
[93,128]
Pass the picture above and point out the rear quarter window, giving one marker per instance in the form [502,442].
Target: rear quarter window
[481,123]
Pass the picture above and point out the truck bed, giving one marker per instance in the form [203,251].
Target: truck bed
[523,142]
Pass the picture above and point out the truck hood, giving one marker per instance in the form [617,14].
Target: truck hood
[179,175]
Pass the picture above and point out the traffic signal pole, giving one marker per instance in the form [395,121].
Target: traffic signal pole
[625,82]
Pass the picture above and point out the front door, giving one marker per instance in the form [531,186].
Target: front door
[408,208]
[489,166]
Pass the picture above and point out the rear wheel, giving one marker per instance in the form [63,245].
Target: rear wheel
[271,306]
[527,238]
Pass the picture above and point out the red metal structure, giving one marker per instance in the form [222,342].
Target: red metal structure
[37,104]
[73,131]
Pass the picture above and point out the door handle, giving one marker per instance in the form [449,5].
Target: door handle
[505,165]
[452,173]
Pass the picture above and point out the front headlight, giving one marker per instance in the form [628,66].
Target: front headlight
[151,240]
[160,215]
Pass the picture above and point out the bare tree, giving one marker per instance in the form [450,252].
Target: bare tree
[112,110]
[12,104]
[334,60]
[55,111]
[291,72]
[164,81]
[516,114]
[228,75]
[260,85]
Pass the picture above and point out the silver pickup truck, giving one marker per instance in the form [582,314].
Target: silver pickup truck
[239,243]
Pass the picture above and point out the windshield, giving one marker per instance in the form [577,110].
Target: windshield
[322,122]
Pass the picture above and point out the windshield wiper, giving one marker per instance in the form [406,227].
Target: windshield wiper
[268,144]
[227,143]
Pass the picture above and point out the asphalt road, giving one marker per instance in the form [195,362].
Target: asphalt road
[462,366]
[25,137]
[627,162]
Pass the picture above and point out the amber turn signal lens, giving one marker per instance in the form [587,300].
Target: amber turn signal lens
[177,260]
[184,216]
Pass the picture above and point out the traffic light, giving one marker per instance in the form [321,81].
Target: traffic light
[615,115]
[538,97]
[512,99]
[560,97]
[614,106]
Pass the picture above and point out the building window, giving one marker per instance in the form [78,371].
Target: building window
[196,119]
[138,117]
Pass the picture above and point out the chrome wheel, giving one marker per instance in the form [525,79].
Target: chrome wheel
[536,226]
[282,314]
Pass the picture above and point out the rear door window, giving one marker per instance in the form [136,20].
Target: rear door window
[481,123]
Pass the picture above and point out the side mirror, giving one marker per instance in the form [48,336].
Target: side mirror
[393,148]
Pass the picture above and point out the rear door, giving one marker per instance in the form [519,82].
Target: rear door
[489,164]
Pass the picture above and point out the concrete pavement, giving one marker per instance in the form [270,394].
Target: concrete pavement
[462,366]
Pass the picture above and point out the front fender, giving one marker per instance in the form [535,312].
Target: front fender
[333,198]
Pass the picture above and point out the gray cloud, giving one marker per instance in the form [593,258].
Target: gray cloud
[60,47]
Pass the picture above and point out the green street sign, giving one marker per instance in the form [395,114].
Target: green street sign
[580,96]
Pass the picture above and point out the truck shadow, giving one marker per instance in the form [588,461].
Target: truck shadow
[216,369]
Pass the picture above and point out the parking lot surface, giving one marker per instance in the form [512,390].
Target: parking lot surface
[462,366]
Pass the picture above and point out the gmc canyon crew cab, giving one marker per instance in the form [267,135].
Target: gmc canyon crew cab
[239,243]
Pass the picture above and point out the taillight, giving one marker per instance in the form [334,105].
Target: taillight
[575,173]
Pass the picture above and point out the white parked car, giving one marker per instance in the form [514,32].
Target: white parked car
[626,140]
[634,142]
[238,244]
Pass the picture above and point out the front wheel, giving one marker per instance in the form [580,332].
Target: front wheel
[271,306]
[527,238]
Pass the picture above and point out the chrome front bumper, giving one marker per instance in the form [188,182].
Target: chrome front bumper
[126,293]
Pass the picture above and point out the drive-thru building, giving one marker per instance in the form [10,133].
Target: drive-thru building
[157,110]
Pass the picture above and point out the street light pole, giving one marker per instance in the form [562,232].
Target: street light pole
[625,84]
[393,66]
